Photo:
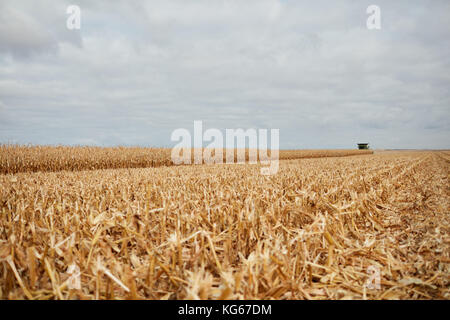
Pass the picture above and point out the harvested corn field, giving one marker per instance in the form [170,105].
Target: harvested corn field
[318,229]
[17,158]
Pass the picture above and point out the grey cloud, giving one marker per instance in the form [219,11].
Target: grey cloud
[28,28]
[138,70]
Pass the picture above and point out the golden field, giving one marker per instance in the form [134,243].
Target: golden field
[23,158]
[311,231]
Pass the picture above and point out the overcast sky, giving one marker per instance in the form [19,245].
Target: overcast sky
[136,71]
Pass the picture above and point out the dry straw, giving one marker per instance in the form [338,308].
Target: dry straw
[227,232]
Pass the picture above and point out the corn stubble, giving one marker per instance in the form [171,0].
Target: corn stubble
[227,232]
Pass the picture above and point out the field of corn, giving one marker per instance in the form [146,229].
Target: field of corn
[17,158]
[318,229]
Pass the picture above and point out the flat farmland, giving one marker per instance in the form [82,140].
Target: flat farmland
[24,158]
[321,228]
